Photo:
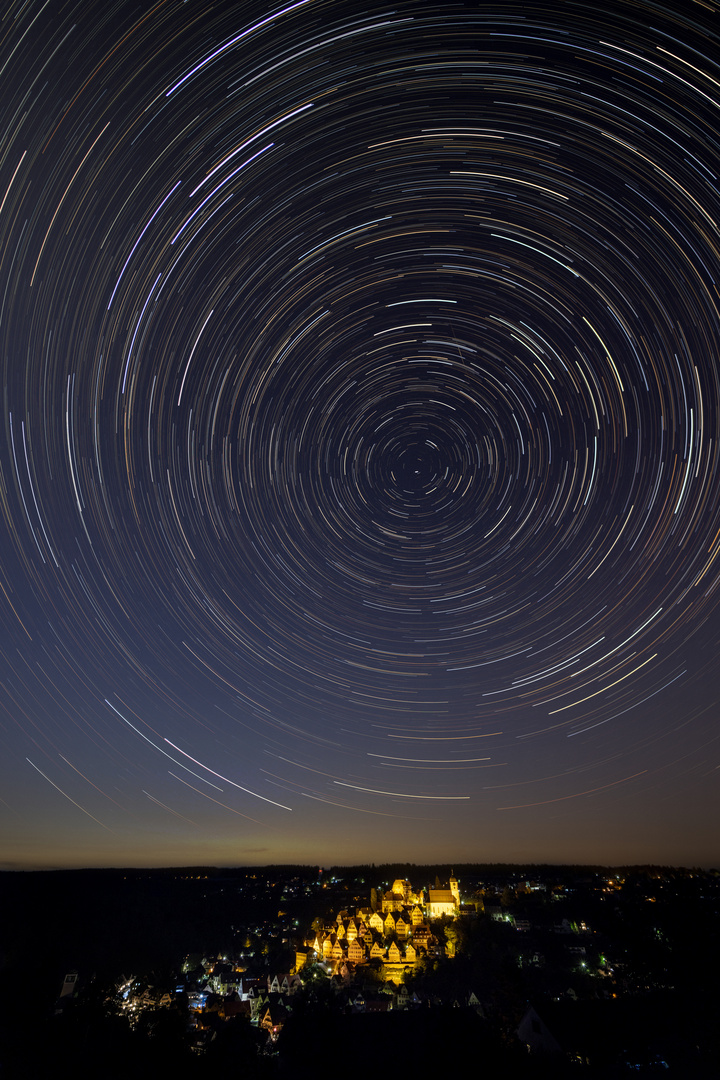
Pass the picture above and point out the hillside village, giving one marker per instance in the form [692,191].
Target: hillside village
[592,968]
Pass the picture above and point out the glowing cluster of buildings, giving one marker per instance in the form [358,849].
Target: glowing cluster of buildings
[394,934]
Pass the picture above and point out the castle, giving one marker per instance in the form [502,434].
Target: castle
[396,934]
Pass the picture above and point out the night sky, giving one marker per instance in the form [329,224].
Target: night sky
[360,458]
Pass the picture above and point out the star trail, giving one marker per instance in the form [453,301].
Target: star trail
[359,487]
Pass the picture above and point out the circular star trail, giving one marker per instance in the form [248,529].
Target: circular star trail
[361,410]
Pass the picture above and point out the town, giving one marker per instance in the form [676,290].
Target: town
[598,971]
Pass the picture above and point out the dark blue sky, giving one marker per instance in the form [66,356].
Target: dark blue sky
[359,491]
